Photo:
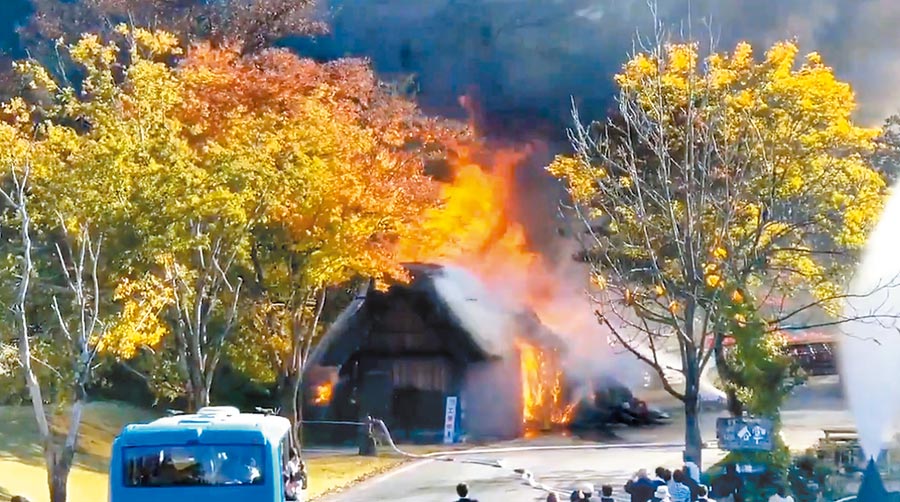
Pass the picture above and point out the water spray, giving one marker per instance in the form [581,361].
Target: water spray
[870,346]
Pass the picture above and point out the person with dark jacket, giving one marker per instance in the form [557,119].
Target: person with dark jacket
[606,494]
[702,494]
[462,490]
[728,487]
[662,479]
[641,488]
[691,483]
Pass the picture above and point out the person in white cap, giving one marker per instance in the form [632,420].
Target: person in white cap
[587,489]
[662,494]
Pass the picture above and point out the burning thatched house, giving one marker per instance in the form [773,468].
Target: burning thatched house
[398,354]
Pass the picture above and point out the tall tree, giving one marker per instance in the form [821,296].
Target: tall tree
[79,325]
[721,184]
[347,158]
[230,175]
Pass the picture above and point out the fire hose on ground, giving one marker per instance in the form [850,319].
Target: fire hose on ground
[526,475]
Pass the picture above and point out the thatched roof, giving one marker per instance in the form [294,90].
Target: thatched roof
[487,327]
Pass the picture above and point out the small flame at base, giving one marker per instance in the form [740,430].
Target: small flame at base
[323,393]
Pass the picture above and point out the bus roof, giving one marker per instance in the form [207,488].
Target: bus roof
[211,425]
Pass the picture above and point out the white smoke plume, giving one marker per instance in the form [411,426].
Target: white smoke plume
[870,346]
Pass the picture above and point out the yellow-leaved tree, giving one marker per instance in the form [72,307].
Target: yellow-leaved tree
[346,162]
[228,187]
[727,197]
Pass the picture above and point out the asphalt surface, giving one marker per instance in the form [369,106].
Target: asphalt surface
[426,481]
[812,408]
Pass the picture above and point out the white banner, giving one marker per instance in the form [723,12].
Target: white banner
[450,420]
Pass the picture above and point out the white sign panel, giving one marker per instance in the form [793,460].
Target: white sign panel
[450,420]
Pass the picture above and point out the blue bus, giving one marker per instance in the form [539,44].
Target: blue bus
[216,454]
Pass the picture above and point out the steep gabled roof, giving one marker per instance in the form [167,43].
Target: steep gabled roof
[489,325]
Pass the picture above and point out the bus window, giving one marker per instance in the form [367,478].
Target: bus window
[206,465]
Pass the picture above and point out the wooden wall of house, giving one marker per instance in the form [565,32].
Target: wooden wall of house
[409,355]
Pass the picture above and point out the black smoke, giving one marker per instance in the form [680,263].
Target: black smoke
[526,59]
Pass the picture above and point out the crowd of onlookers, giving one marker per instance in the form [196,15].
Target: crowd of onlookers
[681,485]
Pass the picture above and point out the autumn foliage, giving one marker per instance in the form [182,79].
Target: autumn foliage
[226,184]
[723,182]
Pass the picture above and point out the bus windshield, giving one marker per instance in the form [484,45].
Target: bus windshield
[196,465]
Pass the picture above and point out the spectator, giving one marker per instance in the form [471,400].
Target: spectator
[606,493]
[576,495]
[692,471]
[551,497]
[662,494]
[729,486]
[462,490]
[640,487]
[692,479]
[678,490]
[586,489]
[703,494]
[660,477]
[781,495]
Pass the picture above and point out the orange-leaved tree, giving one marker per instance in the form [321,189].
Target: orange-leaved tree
[320,171]
[346,161]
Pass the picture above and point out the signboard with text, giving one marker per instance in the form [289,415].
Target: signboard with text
[450,420]
[745,434]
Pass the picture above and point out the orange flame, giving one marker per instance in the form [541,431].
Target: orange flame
[542,389]
[323,393]
[476,229]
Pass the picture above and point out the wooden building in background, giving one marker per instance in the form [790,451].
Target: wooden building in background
[400,353]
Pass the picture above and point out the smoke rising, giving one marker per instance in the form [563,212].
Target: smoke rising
[526,58]
[870,347]
[525,61]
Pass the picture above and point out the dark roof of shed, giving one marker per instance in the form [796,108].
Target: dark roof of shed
[489,324]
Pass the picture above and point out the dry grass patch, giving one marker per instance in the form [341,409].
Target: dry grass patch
[22,469]
[333,473]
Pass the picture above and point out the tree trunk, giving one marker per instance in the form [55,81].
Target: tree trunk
[693,442]
[291,400]
[727,373]
[735,406]
[59,480]
[200,397]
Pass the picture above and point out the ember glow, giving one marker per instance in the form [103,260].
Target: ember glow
[323,394]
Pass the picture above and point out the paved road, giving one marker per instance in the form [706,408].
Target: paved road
[435,481]
[813,407]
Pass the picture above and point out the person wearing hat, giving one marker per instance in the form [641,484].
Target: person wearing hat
[662,494]
[587,489]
